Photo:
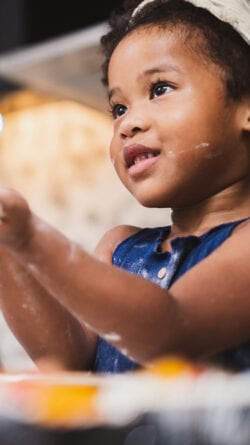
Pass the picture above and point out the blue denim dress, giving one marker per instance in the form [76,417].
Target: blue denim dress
[141,255]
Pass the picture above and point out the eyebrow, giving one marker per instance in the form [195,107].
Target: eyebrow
[148,72]
[160,69]
[113,91]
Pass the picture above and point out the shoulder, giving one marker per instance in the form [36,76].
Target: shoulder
[243,229]
[235,248]
[228,264]
[241,236]
[110,240]
[213,297]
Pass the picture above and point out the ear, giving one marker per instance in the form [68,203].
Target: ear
[245,116]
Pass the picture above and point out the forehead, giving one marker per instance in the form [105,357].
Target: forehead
[148,46]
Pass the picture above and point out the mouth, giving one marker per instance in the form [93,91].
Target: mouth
[136,154]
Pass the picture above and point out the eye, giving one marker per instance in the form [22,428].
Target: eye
[118,110]
[159,88]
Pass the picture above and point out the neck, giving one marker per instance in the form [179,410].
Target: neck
[231,204]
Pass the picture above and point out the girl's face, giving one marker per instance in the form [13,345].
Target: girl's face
[177,140]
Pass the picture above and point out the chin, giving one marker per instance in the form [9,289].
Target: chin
[175,200]
[152,202]
[151,196]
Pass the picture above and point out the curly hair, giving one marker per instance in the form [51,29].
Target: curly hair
[219,42]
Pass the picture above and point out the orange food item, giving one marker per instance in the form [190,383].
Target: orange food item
[173,366]
[64,404]
[60,404]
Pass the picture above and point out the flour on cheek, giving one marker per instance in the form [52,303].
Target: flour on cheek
[202,145]
[208,154]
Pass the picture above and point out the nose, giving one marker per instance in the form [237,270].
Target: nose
[134,122]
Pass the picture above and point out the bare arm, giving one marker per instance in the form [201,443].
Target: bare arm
[47,331]
[207,310]
[52,337]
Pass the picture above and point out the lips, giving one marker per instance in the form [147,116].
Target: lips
[136,153]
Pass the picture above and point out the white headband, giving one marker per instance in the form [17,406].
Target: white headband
[234,12]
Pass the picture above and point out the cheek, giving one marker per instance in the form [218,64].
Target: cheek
[112,149]
[116,156]
[191,119]
[180,115]
[183,108]
[115,147]
[111,154]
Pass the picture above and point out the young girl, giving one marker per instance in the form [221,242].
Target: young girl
[178,78]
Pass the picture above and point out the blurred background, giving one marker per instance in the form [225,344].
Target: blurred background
[54,144]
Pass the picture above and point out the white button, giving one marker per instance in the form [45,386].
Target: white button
[162,273]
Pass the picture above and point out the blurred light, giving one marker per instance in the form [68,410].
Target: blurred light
[1,123]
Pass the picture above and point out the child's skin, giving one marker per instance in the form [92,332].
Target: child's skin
[57,298]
